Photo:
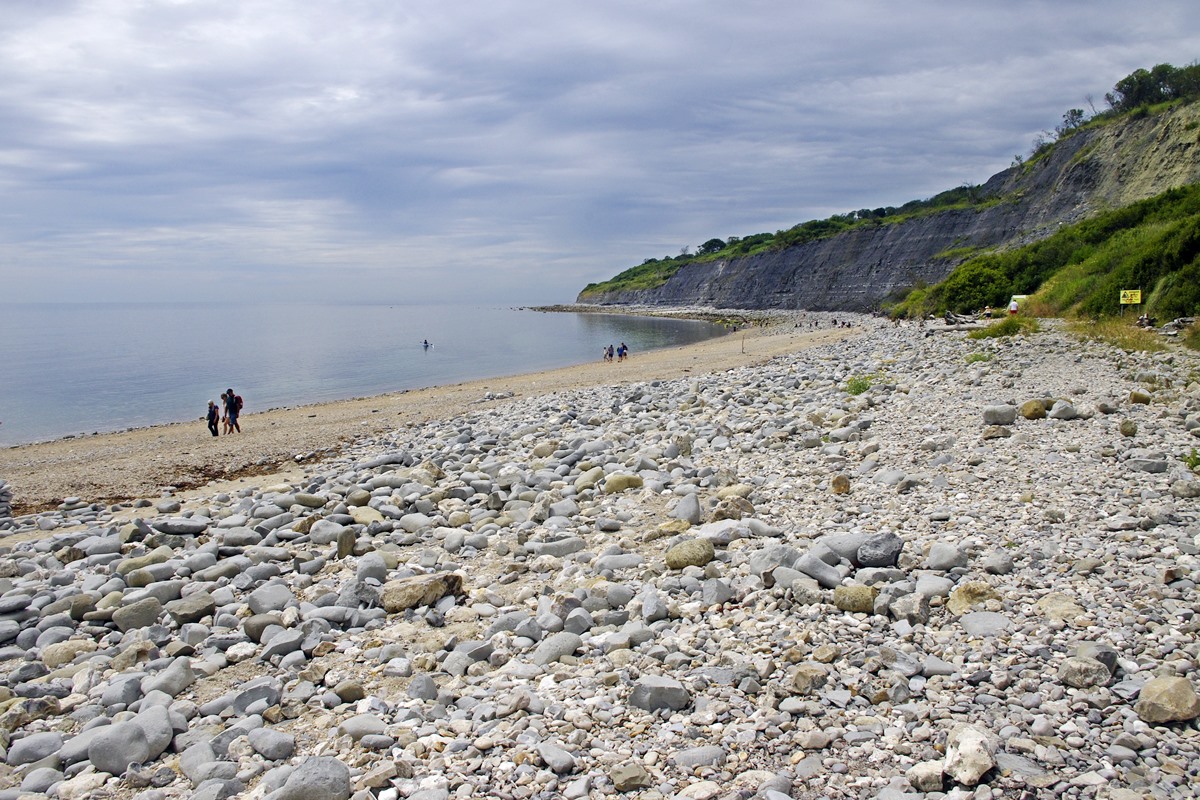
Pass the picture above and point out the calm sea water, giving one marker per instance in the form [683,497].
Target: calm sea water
[71,369]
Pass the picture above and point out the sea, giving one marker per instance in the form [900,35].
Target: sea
[77,369]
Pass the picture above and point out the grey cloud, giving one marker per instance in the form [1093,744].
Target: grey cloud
[515,149]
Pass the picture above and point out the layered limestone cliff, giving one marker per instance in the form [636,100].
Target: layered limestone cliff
[1091,171]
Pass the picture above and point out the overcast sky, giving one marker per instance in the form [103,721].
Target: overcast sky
[408,151]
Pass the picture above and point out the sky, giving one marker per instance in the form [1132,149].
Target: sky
[506,152]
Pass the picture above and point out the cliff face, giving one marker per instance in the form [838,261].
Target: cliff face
[1090,171]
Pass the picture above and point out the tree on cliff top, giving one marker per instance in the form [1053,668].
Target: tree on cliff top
[1158,85]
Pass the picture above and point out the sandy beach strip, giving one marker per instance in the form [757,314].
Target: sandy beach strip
[145,462]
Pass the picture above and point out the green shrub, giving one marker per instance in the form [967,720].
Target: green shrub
[1120,333]
[1006,327]
[1191,337]
[857,384]
[975,358]
[1178,294]
[916,303]
[974,285]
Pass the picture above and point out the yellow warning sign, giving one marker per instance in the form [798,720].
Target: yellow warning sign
[1131,297]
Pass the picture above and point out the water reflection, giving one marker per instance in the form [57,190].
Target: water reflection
[646,333]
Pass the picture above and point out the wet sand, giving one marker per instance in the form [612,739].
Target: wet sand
[146,462]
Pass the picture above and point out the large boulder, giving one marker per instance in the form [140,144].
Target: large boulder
[117,746]
[692,553]
[316,778]
[419,590]
[654,692]
[1168,699]
[970,753]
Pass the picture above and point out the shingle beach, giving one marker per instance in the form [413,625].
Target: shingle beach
[717,575]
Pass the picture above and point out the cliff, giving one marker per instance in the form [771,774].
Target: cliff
[1092,170]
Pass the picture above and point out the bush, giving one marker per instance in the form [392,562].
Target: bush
[917,303]
[1191,337]
[1119,333]
[1006,327]
[975,358]
[974,285]
[857,384]
[1178,294]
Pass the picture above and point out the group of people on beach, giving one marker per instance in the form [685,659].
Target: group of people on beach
[621,352]
[226,414]
[816,323]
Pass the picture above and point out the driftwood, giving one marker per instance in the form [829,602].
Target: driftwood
[958,319]
[943,328]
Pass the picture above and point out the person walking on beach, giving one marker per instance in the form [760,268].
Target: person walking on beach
[233,406]
[214,414]
[622,352]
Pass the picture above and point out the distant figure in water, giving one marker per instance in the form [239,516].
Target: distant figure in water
[214,414]
[426,344]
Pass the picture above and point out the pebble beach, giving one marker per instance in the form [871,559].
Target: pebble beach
[109,468]
[884,562]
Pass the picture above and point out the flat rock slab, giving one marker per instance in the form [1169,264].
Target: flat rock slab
[985,623]
[419,590]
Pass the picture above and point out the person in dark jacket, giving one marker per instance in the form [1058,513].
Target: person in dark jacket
[214,414]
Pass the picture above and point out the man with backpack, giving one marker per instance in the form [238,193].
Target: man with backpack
[233,407]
